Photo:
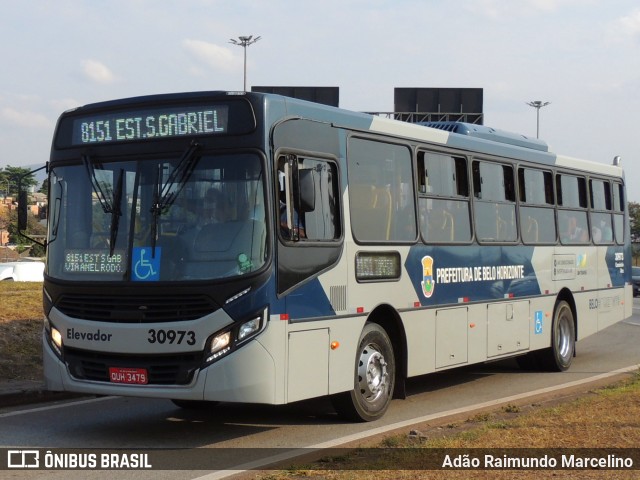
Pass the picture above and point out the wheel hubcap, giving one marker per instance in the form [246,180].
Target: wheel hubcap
[372,374]
[564,338]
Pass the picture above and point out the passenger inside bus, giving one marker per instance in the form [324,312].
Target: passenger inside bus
[215,209]
[574,232]
[298,229]
[298,225]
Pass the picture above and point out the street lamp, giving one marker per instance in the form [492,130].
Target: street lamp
[244,42]
[537,104]
[6,190]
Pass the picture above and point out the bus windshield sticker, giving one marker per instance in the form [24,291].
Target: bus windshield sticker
[145,266]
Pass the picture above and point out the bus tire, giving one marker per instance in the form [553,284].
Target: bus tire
[374,378]
[558,357]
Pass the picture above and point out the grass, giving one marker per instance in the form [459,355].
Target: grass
[20,301]
[604,418]
[21,317]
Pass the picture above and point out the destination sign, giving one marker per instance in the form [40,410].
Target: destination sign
[94,262]
[149,124]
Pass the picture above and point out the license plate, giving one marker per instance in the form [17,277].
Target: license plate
[135,376]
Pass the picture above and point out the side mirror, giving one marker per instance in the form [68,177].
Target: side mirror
[23,208]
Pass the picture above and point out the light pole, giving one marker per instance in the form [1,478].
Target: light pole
[537,104]
[6,190]
[244,42]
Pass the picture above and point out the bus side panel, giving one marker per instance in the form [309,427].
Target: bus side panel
[313,367]
[345,331]
[308,364]
[540,319]
[421,341]
[255,372]
[611,273]
[249,375]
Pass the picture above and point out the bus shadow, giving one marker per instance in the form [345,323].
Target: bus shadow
[123,422]
[459,376]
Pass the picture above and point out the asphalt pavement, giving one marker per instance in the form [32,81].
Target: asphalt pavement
[25,392]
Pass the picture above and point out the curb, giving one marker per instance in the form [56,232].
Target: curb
[24,393]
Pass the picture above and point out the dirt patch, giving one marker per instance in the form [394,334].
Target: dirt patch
[20,331]
[21,349]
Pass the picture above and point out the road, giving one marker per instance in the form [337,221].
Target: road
[132,423]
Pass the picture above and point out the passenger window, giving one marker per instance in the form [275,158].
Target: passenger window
[537,214]
[494,205]
[443,198]
[572,191]
[601,218]
[308,199]
[381,192]
[618,212]
[572,215]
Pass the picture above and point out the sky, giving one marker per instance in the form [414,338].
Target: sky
[582,56]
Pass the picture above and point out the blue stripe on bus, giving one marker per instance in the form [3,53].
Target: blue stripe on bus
[619,266]
[458,273]
[444,275]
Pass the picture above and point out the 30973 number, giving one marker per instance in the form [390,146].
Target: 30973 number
[172,336]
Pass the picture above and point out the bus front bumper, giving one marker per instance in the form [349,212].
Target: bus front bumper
[248,375]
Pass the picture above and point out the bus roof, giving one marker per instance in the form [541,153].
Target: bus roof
[464,136]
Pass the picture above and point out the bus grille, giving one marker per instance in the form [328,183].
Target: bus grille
[136,309]
[161,369]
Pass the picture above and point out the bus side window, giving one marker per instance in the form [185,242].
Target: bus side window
[443,198]
[572,209]
[308,199]
[494,208]
[601,206]
[537,225]
[618,212]
[381,191]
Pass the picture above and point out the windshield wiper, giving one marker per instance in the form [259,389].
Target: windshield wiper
[180,175]
[111,207]
[116,213]
[95,184]
[165,196]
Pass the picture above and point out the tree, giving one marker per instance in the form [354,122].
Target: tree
[634,221]
[10,178]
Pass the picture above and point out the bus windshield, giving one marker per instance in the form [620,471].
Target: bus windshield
[192,217]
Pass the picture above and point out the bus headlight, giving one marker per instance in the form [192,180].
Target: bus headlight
[54,337]
[219,345]
[222,343]
[247,329]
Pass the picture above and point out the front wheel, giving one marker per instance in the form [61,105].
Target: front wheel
[558,357]
[374,378]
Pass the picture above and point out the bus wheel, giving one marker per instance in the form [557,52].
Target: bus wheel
[374,378]
[558,357]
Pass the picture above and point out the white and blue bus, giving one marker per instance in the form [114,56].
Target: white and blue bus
[245,247]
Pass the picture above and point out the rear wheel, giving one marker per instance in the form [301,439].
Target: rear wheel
[374,378]
[558,357]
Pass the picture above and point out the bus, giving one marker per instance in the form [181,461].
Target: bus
[247,247]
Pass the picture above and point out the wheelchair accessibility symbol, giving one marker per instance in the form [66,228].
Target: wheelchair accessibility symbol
[146,268]
[538,322]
